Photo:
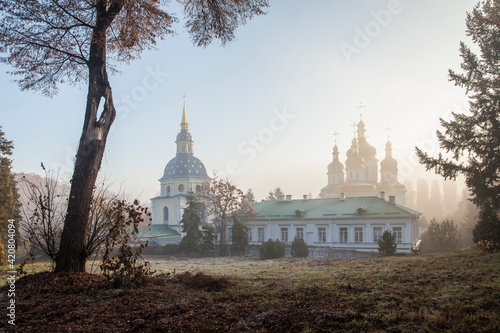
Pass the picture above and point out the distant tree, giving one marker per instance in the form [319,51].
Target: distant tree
[299,248]
[272,250]
[422,199]
[473,139]
[239,236]
[250,196]
[207,245]
[444,234]
[275,194]
[387,243]
[435,201]
[9,196]
[55,41]
[191,227]
[222,198]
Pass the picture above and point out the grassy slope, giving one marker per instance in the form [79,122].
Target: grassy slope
[457,292]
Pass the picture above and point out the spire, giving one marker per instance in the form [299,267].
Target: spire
[388,149]
[184,139]
[184,119]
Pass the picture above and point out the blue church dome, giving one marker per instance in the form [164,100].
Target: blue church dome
[184,165]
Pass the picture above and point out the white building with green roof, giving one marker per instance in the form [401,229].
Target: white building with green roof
[345,223]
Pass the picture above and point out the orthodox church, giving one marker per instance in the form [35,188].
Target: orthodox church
[183,174]
[360,178]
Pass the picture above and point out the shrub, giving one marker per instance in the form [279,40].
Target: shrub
[159,251]
[299,248]
[171,249]
[387,243]
[272,249]
[444,234]
[122,264]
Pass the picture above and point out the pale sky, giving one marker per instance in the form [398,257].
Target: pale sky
[265,107]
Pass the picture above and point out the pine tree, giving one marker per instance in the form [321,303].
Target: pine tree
[239,236]
[387,243]
[473,139]
[10,205]
[208,241]
[191,227]
[299,248]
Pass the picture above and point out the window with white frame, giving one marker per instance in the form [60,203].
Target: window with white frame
[322,234]
[358,234]
[284,235]
[299,233]
[398,232]
[377,234]
[344,235]
[260,234]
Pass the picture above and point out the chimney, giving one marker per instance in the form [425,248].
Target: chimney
[392,199]
[304,196]
[342,196]
[288,197]
[382,195]
[281,198]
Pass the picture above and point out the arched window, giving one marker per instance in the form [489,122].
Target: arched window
[198,188]
[165,215]
[168,191]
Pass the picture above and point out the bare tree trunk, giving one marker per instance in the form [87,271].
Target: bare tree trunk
[72,255]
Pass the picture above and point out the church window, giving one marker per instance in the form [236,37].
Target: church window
[343,235]
[181,188]
[284,235]
[322,234]
[260,234]
[299,233]
[198,188]
[168,191]
[398,232]
[165,215]
[358,234]
[377,234]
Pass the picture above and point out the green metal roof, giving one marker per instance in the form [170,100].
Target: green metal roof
[157,231]
[349,208]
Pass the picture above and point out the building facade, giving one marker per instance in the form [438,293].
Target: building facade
[360,177]
[184,174]
[347,223]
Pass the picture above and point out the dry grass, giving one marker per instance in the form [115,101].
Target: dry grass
[457,292]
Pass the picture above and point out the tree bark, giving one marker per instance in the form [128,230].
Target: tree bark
[72,254]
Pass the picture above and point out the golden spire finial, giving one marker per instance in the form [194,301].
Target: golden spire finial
[184,119]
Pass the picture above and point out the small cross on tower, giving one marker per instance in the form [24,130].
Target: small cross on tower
[388,129]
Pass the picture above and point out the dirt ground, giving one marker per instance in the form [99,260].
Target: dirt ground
[453,293]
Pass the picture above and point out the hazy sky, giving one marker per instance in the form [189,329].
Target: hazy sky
[265,107]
